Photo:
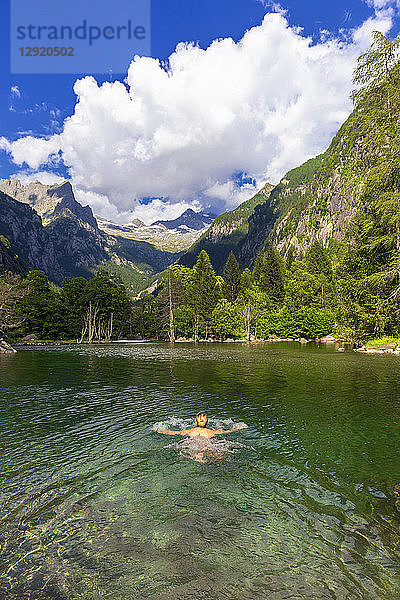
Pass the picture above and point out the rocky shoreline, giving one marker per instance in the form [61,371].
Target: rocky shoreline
[329,339]
[340,343]
[379,349]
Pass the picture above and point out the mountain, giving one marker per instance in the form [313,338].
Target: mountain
[227,232]
[176,235]
[323,199]
[50,231]
[22,230]
[189,220]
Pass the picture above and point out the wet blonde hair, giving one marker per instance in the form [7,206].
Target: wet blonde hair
[201,414]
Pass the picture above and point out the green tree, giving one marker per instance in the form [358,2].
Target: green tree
[258,266]
[246,279]
[13,290]
[252,305]
[226,321]
[106,300]
[41,308]
[231,285]
[204,293]
[269,273]
[171,296]
[377,77]
[73,299]
[144,318]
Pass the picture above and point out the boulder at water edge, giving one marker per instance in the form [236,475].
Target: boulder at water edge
[5,348]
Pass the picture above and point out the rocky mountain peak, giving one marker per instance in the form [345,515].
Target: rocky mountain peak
[189,219]
[49,202]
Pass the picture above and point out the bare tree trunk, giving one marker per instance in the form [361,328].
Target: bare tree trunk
[90,326]
[248,321]
[109,329]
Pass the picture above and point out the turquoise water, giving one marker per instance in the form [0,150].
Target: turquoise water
[300,505]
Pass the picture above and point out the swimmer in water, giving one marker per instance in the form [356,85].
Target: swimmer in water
[201,431]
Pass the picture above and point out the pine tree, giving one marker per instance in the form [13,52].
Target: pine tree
[231,285]
[268,274]
[257,268]
[319,266]
[273,275]
[290,257]
[204,292]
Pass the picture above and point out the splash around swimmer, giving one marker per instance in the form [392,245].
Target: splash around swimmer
[200,429]
[198,432]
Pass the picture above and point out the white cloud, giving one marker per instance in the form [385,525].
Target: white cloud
[44,177]
[5,145]
[260,106]
[273,6]
[161,210]
[230,194]
[380,5]
[32,150]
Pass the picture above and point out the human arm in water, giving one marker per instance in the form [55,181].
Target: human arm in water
[203,431]
[236,428]
[170,432]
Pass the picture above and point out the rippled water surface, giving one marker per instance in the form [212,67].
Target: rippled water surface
[300,505]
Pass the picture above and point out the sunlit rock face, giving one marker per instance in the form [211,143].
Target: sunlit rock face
[50,202]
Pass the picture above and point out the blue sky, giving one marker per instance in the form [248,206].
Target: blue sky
[38,104]
[173,21]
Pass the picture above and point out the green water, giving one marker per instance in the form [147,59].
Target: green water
[94,505]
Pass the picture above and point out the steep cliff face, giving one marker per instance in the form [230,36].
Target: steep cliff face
[325,203]
[23,228]
[78,248]
[288,196]
[227,232]
[321,199]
